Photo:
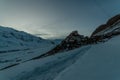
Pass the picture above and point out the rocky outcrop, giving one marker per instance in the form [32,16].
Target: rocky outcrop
[113,20]
[72,41]
[112,26]
[106,31]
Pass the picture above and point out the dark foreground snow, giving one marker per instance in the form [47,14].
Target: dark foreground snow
[101,62]
[43,69]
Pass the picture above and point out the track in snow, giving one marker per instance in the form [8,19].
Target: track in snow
[50,70]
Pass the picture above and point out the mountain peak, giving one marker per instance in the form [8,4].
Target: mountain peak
[73,36]
[74,33]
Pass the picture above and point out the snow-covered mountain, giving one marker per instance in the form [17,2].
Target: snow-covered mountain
[18,46]
[77,57]
[10,37]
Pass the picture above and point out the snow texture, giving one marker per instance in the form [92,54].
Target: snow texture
[101,62]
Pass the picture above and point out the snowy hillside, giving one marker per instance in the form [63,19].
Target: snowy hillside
[101,62]
[17,47]
[12,38]
[43,69]
[91,62]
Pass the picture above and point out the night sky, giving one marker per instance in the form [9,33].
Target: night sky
[56,18]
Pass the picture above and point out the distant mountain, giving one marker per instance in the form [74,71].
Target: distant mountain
[57,41]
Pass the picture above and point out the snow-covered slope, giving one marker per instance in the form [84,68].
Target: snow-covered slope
[17,47]
[43,69]
[101,62]
[12,38]
[91,62]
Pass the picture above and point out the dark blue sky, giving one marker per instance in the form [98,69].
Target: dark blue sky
[57,18]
